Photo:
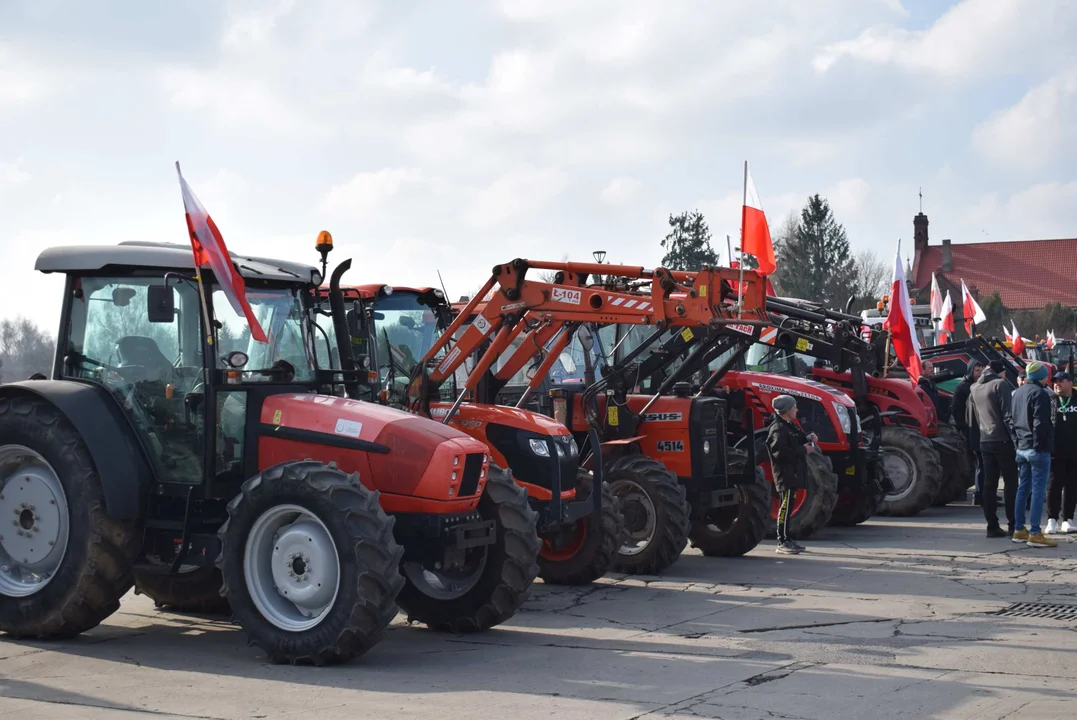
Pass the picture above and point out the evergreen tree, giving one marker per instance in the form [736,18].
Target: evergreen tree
[688,245]
[815,263]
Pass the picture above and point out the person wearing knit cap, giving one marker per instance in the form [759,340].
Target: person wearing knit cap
[787,445]
[1034,437]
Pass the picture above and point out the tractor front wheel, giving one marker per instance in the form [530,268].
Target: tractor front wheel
[857,505]
[64,562]
[495,579]
[735,530]
[656,512]
[914,467]
[811,507]
[310,565]
[196,589]
[587,552]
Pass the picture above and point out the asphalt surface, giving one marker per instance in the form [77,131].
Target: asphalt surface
[894,618]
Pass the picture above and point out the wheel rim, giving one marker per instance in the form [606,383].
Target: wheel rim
[901,469]
[723,520]
[639,514]
[291,568]
[34,521]
[568,549]
[446,584]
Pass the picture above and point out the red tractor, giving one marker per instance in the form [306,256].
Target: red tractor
[161,455]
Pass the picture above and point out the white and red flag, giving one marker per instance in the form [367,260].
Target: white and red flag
[755,238]
[970,309]
[1018,341]
[946,327]
[210,251]
[1051,340]
[899,322]
[936,298]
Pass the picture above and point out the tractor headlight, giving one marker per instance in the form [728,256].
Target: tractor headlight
[571,447]
[538,446]
[843,418]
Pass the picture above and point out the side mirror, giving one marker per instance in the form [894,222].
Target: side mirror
[160,303]
[587,339]
[407,321]
[121,297]
[568,363]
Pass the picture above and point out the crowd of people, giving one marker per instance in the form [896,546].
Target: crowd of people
[1027,437]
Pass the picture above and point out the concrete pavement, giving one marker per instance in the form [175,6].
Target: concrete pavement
[894,618]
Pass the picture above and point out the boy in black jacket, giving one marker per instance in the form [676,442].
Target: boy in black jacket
[1062,483]
[787,444]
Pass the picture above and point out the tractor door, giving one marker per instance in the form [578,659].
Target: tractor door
[150,368]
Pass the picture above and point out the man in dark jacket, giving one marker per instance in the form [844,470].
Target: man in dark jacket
[927,384]
[787,444]
[1062,484]
[1034,437]
[988,411]
[958,406]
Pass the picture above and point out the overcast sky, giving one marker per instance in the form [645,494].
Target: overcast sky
[452,136]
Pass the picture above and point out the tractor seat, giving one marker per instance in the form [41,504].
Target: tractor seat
[143,351]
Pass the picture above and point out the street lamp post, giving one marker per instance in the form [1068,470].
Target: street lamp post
[599,256]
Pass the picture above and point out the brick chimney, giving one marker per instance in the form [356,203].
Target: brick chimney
[947,256]
[919,241]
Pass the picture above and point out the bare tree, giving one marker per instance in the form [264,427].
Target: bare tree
[872,279]
[25,349]
[550,276]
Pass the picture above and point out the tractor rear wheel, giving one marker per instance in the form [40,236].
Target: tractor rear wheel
[812,506]
[196,589]
[913,464]
[496,578]
[310,565]
[656,512]
[735,530]
[64,563]
[588,552]
[960,472]
[858,505]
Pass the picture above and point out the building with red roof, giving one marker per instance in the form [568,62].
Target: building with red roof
[1027,274]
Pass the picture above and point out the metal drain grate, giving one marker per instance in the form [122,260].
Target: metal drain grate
[1041,610]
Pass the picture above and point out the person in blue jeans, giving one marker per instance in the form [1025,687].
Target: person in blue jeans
[1034,438]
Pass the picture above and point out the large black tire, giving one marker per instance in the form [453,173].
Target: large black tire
[960,471]
[818,505]
[197,590]
[590,551]
[368,560]
[914,467]
[858,505]
[735,530]
[505,578]
[95,571]
[656,512]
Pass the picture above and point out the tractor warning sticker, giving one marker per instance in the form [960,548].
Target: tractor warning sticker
[662,417]
[671,446]
[612,415]
[803,344]
[572,297]
[482,325]
[351,428]
[444,366]
[687,334]
[277,417]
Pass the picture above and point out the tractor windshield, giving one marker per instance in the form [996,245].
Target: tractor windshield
[406,328]
[282,317]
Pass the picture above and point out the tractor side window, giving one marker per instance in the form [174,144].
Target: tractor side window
[151,368]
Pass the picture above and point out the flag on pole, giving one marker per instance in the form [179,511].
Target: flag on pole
[970,309]
[946,327]
[1050,339]
[900,324]
[210,250]
[936,297]
[1018,341]
[756,234]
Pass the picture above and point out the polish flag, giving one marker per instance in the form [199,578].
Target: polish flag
[970,309]
[1018,341]
[755,235]
[1050,339]
[899,322]
[936,297]
[946,327]
[210,250]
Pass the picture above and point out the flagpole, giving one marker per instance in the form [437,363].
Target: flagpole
[740,285]
[198,274]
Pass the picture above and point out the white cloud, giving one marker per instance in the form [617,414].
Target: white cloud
[12,174]
[519,191]
[1036,132]
[1042,211]
[621,191]
[367,192]
[21,83]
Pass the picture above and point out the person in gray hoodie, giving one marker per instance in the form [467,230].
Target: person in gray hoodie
[989,410]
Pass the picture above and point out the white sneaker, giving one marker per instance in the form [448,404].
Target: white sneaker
[1052,527]
[1069,526]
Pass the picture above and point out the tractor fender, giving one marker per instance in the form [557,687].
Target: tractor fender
[117,455]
